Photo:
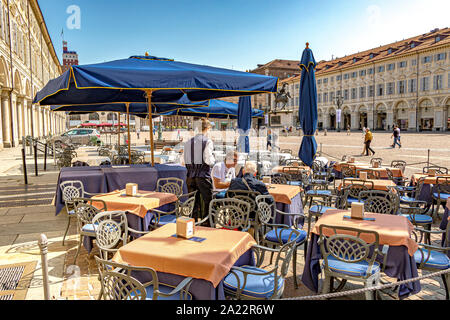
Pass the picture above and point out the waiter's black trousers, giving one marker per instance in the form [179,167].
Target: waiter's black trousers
[204,187]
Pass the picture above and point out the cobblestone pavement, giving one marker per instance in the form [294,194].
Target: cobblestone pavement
[21,225]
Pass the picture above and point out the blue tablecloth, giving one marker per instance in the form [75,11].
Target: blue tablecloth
[399,265]
[296,206]
[106,179]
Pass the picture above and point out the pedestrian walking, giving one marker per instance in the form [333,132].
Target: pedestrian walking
[367,141]
[138,132]
[269,139]
[348,130]
[396,136]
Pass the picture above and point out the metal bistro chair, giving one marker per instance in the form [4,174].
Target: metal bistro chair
[71,190]
[280,178]
[170,185]
[441,194]
[354,187]
[118,284]
[373,160]
[184,207]
[432,257]
[348,171]
[371,174]
[349,257]
[247,196]
[230,214]
[438,169]
[256,283]
[270,234]
[377,201]
[86,211]
[400,164]
[400,181]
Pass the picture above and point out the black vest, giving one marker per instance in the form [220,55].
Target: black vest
[197,170]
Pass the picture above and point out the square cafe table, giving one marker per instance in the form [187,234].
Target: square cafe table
[397,172]
[378,184]
[288,199]
[174,259]
[429,185]
[394,231]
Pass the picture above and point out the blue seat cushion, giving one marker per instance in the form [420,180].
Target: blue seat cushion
[221,195]
[167,218]
[71,212]
[407,199]
[437,260]
[88,228]
[443,196]
[285,234]
[257,286]
[319,181]
[295,183]
[358,269]
[323,209]
[351,200]
[319,192]
[419,218]
[164,289]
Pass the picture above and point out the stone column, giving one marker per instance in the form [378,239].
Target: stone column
[15,121]
[389,119]
[370,119]
[1,122]
[355,120]
[412,119]
[6,124]
[326,120]
[438,119]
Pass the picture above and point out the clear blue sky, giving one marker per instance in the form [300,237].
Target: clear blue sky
[237,34]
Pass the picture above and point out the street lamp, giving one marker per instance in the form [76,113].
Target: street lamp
[339,101]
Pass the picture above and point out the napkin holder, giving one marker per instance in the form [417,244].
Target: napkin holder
[432,172]
[131,189]
[351,160]
[185,227]
[363,175]
[267,180]
[357,210]
[376,164]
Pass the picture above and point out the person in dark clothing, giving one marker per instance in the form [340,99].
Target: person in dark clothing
[199,160]
[396,135]
[248,181]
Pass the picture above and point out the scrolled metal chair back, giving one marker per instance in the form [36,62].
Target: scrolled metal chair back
[244,195]
[266,209]
[72,190]
[443,185]
[390,174]
[86,211]
[373,160]
[348,170]
[170,185]
[344,158]
[279,179]
[356,186]
[378,202]
[186,208]
[345,244]
[437,169]
[111,229]
[399,164]
[229,213]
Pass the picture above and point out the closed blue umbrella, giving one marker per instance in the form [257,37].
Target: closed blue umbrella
[244,123]
[308,107]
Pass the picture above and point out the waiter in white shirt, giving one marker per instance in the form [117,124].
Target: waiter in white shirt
[223,172]
[199,159]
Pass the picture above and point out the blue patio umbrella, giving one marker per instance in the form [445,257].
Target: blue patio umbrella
[308,107]
[244,123]
[149,79]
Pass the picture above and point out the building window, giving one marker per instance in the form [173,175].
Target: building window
[437,82]
[362,92]
[354,74]
[370,71]
[325,80]
[371,91]
[346,94]
[414,62]
[319,98]
[412,85]
[426,59]
[339,77]
[362,73]
[319,81]
[380,90]
[424,84]
[381,69]
[325,97]
[401,86]
[390,88]
[346,76]
[391,66]
[353,93]
[331,96]
[402,64]
[440,56]
[331,79]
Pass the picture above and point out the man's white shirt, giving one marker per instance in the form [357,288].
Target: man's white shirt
[221,172]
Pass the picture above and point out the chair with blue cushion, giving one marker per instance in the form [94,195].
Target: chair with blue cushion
[280,178]
[254,282]
[170,185]
[348,170]
[441,194]
[85,212]
[294,175]
[270,234]
[400,181]
[437,169]
[184,206]
[347,256]
[118,284]
[434,258]
[71,190]
[353,187]
[229,213]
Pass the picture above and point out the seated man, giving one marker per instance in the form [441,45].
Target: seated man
[223,172]
[249,181]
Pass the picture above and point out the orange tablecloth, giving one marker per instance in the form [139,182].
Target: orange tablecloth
[428,180]
[283,193]
[210,260]
[383,174]
[377,184]
[393,230]
[140,205]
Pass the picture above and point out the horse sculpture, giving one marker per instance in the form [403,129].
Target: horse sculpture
[282,98]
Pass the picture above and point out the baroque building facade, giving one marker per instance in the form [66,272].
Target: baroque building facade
[27,62]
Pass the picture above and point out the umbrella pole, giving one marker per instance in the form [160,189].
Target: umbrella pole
[149,99]
[118,132]
[129,141]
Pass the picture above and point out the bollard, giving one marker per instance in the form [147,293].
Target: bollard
[54,153]
[35,160]
[428,158]
[45,157]
[43,243]
[24,165]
